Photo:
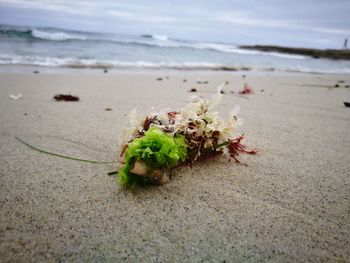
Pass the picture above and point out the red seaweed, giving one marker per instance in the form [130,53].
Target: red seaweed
[235,147]
[246,89]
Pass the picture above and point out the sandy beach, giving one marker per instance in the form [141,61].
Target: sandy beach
[290,203]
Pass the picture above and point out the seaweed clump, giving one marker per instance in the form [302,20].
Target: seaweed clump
[152,146]
[155,150]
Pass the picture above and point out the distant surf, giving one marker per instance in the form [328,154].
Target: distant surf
[50,34]
[42,34]
[52,47]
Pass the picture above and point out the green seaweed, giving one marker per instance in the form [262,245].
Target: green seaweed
[157,149]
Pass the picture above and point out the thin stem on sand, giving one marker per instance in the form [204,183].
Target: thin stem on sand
[62,155]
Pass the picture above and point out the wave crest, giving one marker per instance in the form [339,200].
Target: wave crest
[41,34]
[156,37]
[102,64]
[55,36]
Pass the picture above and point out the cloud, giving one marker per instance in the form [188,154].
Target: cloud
[74,8]
[86,8]
[244,19]
[137,17]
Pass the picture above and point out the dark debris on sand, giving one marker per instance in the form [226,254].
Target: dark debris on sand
[66,97]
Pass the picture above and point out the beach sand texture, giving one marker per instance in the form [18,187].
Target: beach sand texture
[290,203]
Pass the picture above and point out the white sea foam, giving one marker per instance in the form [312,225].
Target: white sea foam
[160,37]
[56,36]
[224,48]
[199,65]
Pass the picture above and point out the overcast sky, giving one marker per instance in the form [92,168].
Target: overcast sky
[321,23]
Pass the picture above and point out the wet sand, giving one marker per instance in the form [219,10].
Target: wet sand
[291,202]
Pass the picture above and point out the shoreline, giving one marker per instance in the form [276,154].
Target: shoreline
[4,69]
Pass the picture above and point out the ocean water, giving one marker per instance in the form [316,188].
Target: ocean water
[50,47]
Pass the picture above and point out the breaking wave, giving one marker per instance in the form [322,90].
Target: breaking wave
[49,34]
[52,47]
[102,64]
[31,34]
